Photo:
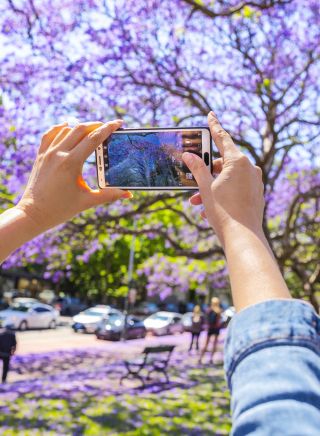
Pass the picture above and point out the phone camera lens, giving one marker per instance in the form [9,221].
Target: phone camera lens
[206,158]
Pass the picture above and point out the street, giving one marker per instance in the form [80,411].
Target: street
[64,338]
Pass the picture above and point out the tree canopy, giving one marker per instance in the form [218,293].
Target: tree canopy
[160,63]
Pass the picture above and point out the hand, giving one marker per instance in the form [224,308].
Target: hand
[235,197]
[234,206]
[56,190]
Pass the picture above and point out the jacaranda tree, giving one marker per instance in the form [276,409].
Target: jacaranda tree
[159,63]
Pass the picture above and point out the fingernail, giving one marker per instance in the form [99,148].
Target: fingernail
[212,114]
[127,194]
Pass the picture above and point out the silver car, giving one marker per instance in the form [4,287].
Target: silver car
[89,320]
[164,323]
[24,314]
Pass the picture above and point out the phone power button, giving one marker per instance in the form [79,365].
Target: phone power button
[206,158]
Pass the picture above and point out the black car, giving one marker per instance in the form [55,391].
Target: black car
[113,328]
[68,306]
[145,309]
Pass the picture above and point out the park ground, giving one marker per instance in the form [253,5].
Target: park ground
[62,383]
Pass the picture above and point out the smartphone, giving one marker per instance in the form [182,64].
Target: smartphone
[151,159]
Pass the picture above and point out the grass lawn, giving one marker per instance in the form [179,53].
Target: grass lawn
[78,393]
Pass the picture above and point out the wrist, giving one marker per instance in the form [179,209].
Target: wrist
[19,224]
[31,216]
[254,273]
[16,228]
[237,234]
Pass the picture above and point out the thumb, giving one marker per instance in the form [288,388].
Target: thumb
[107,195]
[200,172]
[222,139]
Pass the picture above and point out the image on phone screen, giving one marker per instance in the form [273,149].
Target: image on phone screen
[150,159]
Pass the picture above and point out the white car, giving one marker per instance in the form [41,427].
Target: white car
[89,320]
[164,323]
[24,314]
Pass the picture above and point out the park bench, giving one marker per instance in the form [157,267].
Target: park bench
[153,359]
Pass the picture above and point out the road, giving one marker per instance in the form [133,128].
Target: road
[63,338]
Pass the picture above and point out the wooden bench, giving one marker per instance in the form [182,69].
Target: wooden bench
[154,359]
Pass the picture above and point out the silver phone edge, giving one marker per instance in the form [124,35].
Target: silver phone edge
[101,168]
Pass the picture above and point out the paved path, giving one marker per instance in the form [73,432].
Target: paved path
[63,338]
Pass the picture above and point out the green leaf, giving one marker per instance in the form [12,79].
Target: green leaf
[120,110]
[248,12]
[199,2]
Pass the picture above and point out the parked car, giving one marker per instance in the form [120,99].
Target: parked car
[164,323]
[69,306]
[112,328]
[170,307]
[190,306]
[146,308]
[3,304]
[88,320]
[25,300]
[24,314]
[8,296]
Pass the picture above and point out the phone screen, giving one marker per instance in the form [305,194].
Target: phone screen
[150,159]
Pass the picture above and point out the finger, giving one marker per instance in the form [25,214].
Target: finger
[222,139]
[95,138]
[196,199]
[200,172]
[217,165]
[61,135]
[49,136]
[260,178]
[198,168]
[107,195]
[259,171]
[76,135]
[94,197]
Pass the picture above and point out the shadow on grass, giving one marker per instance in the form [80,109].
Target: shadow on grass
[89,401]
[199,406]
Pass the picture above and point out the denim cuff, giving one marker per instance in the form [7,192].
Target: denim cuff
[268,324]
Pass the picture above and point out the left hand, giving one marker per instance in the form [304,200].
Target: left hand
[56,190]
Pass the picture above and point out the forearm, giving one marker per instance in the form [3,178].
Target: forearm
[254,273]
[272,363]
[16,228]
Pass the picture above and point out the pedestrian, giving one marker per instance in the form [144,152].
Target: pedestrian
[214,323]
[196,326]
[8,346]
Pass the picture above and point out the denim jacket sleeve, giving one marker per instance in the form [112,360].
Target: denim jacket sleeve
[272,363]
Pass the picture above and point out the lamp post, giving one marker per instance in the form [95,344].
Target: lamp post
[130,274]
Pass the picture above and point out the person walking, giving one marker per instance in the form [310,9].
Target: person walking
[213,327]
[196,327]
[8,345]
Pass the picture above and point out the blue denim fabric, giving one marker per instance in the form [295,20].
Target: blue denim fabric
[272,362]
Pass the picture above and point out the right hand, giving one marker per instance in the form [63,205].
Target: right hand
[235,198]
